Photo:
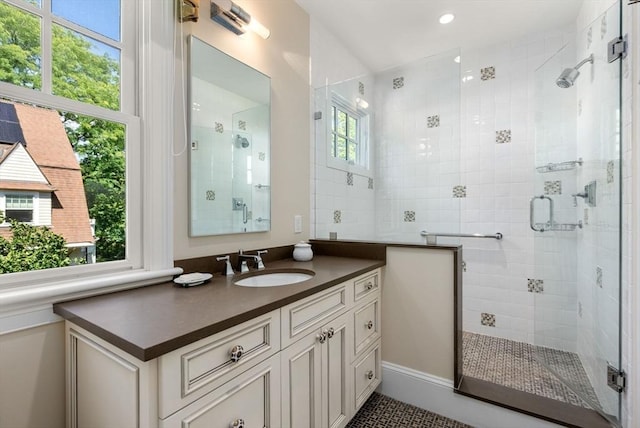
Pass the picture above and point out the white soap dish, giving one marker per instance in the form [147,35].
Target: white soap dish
[192,279]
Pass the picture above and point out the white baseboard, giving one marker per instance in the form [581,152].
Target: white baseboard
[436,395]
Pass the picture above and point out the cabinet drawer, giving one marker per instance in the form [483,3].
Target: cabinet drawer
[367,325]
[367,374]
[253,397]
[190,372]
[301,317]
[366,285]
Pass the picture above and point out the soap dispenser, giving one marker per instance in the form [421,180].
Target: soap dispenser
[302,252]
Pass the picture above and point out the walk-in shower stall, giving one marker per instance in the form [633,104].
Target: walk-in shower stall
[514,152]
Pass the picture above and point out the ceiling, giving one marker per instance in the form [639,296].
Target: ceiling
[387,33]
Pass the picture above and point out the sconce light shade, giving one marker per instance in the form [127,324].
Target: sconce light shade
[189,10]
[236,19]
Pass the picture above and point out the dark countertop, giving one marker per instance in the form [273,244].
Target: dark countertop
[151,321]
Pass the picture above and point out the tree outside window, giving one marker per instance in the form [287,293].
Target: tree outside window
[84,69]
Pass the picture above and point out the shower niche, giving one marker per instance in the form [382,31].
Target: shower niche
[229,156]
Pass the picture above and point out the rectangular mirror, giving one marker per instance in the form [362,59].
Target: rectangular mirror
[229,189]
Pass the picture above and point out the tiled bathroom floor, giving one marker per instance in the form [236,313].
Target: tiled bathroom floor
[512,364]
[381,411]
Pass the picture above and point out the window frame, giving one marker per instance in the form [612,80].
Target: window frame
[149,254]
[35,197]
[362,164]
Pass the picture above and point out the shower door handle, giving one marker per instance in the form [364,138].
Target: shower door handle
[245,213]
[532,223]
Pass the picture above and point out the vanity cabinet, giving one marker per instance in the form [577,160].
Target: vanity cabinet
[311,363]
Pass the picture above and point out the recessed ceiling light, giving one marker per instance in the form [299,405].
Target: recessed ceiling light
[446,18]
[457,59]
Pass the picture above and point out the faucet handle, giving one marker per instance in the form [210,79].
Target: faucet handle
[259,262]
[228,270]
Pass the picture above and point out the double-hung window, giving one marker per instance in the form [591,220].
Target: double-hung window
[72,88]
[19,208]
[348,136]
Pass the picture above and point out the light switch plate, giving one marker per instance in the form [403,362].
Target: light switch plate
[297,224]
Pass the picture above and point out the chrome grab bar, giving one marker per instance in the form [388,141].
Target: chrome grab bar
[532,223]
[551,224]
[432,237]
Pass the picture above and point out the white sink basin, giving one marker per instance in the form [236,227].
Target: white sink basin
[275,279]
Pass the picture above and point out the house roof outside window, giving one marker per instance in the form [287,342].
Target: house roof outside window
[41,132]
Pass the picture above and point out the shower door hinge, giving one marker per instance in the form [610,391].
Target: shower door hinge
[617,48]
[615,378]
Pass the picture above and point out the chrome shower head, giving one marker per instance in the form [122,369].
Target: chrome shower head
[569,76]
[241,142]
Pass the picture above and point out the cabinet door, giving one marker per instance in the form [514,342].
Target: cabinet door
[301,383]
[315,388]
[252,399]
[335,358]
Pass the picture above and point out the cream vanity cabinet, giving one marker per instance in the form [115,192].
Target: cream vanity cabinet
[310,364]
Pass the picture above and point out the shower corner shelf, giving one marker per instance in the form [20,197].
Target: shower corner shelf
[560,166]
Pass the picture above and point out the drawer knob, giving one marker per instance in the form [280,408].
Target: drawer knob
[369,285]
[369,374]
[322,337]
[369,325]
[236,353]
[330,333]
[238,423]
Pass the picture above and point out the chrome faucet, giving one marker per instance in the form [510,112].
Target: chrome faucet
[257,259]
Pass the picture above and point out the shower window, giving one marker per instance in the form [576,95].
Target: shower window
[347,136]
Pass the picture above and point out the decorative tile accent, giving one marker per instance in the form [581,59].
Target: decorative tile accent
[361,88]
[553,187]
[459,191]
[210,195]
[349,178]
[433,121]
[488,319]
[610,170]
[398,82]
[242,125]
[337,216]
[503,136]
[599,276]
[409,216]
[579,107]
[535,285]
[585,219]
[219,127]
[488,73]
[370,183]
[262,156]
[589,37]
[603,27]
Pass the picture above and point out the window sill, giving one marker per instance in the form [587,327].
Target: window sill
[347,167]
[21,300]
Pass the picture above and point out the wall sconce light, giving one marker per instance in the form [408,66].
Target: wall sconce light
[236,19]
[189,10]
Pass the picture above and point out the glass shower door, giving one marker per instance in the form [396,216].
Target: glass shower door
[575,214]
